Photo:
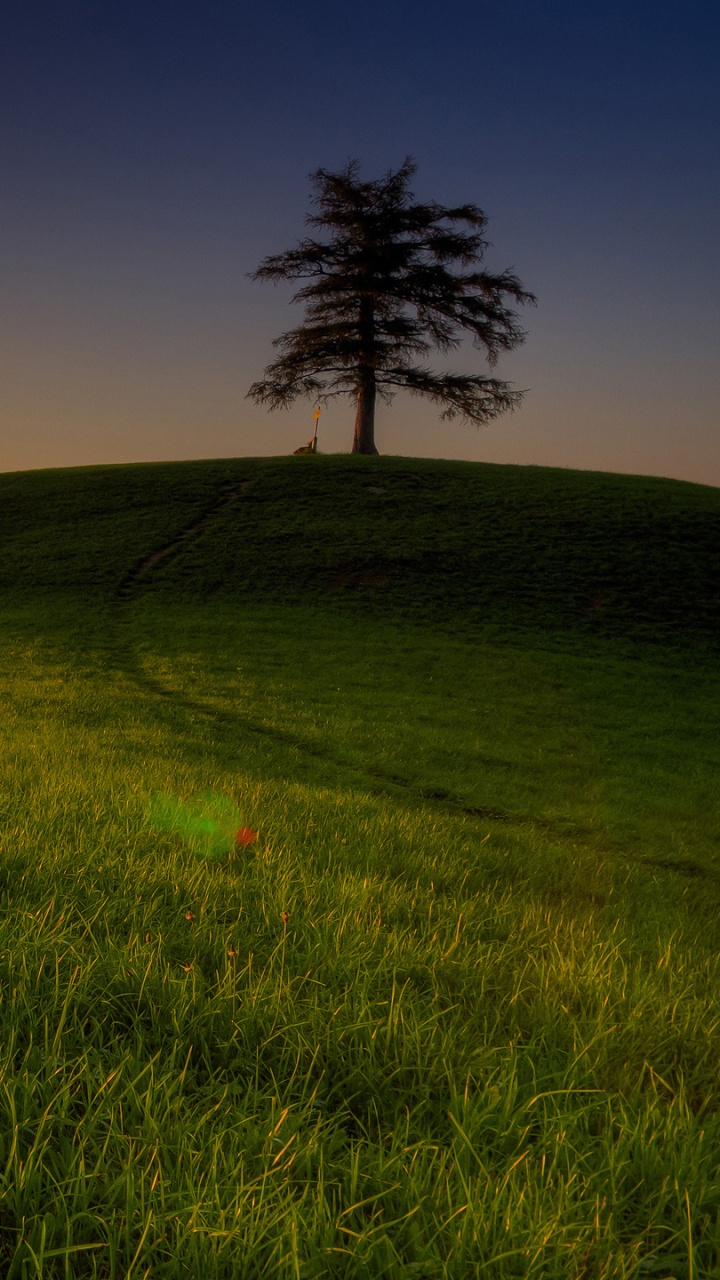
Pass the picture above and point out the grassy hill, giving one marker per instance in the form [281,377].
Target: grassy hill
[454,1011]
[482,545]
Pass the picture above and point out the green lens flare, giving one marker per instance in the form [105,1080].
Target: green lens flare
[207,822]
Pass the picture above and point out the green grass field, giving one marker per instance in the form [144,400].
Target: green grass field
[456,1011]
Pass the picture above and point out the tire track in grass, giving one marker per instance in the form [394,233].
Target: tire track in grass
[372,778]
[231,494]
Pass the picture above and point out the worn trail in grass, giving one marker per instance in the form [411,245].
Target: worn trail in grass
[473,720]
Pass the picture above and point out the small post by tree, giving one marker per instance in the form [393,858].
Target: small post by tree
[393,281]
[311,446]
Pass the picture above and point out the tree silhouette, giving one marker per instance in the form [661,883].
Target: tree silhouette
[384,291]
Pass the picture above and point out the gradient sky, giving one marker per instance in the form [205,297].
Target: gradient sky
[154,152]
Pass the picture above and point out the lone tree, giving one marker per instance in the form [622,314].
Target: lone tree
[383,290]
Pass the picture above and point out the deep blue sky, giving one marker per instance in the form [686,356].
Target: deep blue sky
[153,153]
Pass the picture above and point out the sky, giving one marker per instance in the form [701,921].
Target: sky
[153,152]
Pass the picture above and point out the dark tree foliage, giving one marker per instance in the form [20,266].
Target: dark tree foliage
[385,290]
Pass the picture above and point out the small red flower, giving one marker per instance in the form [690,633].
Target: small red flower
[245,835]
[284,917]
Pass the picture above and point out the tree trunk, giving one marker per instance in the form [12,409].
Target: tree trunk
[364,439]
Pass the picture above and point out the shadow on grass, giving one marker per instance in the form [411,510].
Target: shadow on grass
[180,707]
[225,731]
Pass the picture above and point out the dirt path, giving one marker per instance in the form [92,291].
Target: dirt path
[231,495]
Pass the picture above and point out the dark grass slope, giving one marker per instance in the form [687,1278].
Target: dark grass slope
[479,546]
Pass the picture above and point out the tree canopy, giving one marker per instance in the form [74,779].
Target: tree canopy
[394,281]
